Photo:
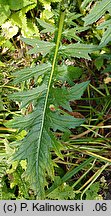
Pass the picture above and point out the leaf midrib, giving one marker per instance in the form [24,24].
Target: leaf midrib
[49,84]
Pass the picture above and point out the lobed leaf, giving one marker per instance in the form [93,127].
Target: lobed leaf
[63,122]
[39,141]
[36,146]
[68,73]
[71,94]
[28,96]
[72,33]
[17,5]
[106,37]
[29,72]
[47,27]
[19,18]
[97,11]
[42,47]
[78,50]
[4,11]
[85,3]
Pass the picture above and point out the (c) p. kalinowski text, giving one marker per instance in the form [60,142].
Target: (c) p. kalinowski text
[59,207]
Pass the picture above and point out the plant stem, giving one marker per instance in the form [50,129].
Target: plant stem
[69,174]
[107,90]
[97,90]
[83,175]
[61,22]
[58,40]
[79,4]
[93,178]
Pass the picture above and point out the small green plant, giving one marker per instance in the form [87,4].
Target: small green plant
[46,115]
[92,193]
[13,18]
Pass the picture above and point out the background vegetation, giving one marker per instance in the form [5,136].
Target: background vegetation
[55,104]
